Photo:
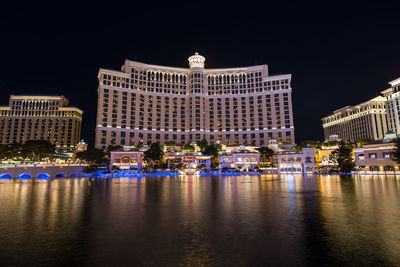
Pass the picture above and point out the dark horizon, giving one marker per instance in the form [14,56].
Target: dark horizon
[337,55]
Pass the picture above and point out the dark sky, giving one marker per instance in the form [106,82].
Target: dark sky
[338,53]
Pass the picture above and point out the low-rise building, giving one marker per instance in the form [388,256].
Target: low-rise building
[81,146]
[324,159]
[245,159]
[188,160]
[296,162]
[126,158]
[376,156]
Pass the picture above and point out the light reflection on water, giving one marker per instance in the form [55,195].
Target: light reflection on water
[211,221]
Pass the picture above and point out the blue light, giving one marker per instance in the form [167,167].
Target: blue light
[24,176]
[5,176]
[43,176]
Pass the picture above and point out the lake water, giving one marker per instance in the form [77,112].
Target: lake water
[201,221]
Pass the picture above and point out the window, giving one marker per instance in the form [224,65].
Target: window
[388,168]
[387,155]
[372,155]
[374,168]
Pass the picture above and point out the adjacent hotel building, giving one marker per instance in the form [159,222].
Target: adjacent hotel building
[40,117]
[371,119]
[351,123]
[146,103]
[392,96]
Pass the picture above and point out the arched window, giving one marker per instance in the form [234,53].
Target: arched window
[389,168]
[374,168]
[125,160]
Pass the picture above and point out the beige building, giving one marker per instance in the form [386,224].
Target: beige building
[377,156]
[392,96]
[146,103]
[126,158]
[40,117]
[351,123]
[296,161]
[246,159]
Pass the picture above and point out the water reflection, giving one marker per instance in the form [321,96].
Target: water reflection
[191,221]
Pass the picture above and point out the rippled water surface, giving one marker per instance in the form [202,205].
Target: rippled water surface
[201,221]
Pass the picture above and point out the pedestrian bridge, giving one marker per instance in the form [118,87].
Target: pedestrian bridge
[41,171]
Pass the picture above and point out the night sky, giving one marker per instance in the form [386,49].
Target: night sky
[338,53]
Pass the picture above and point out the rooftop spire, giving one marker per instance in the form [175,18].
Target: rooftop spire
[196,61]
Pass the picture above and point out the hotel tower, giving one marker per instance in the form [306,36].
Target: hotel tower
[363,121]
[29,117]
[146,103]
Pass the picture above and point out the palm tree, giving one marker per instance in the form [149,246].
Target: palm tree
[266,153]
[154,154]
[344,157]
[396,152]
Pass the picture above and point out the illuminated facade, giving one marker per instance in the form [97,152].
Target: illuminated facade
[188,160]
[126,158]
[377,156]
[296,162]
[245,159]
[146,103]
[40,117]
[392,96]
[351,123]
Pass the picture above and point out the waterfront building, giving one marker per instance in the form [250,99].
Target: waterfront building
[296,162]
[49,118]
[377,156]
[188,161]
[242,158]
[392,96]
[126,158]
[144,103]
[81,146]
[324,158]
[364,121]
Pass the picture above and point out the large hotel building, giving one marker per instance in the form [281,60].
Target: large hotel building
[40,117]
[364,121]
[371,119]
[392,96]
[146,103]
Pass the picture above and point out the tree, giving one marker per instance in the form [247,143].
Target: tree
[312,143]
[113,148]
[362,141]
[396,152]
[92,155]
[265,152]
[344,157]
[170,143]
[202,144]
[11,151]
[212,150]
[4,152]
[154,154]
[188,147]
[37,149]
